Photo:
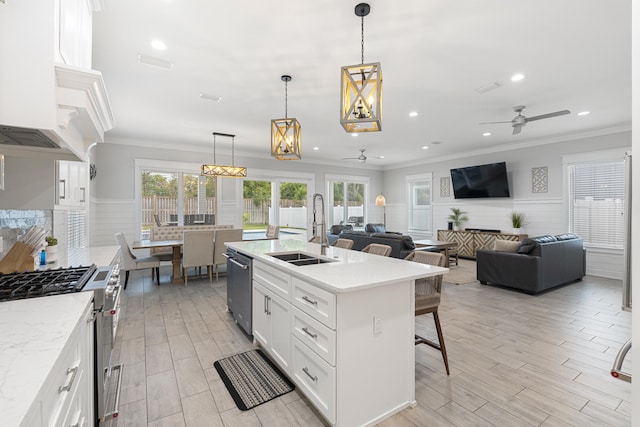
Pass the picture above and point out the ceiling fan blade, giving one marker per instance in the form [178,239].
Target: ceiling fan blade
[517,129]
[548,115]
[491,123]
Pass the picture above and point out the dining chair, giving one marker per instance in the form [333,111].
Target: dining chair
[128,261]
[197,251]
[378,249]
[427,296]
[343,243]
[273,231]
[220,237]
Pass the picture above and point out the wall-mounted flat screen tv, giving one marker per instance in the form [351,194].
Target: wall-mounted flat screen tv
[480,181]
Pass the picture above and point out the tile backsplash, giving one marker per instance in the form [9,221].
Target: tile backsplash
[15,222]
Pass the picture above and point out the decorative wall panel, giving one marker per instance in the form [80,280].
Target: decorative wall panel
[445,187]
[539,180]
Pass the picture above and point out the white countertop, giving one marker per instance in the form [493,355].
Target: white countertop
[350,271]
[34,332]
[75,257]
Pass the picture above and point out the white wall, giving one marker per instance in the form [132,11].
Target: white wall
[546,213]
[29,183]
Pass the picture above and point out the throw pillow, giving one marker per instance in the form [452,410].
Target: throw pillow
[502,245]
[526,246]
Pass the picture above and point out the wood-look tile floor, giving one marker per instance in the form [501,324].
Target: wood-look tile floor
[516,359]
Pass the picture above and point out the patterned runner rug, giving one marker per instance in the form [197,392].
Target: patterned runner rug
[252,379]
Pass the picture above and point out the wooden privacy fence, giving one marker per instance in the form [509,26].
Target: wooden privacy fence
[165,206]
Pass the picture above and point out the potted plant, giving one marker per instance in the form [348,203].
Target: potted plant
[52,249]
[517,221]
[458,217]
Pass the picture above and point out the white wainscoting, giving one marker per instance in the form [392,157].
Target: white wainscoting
[109,216]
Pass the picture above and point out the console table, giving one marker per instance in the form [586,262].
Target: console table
[470,241]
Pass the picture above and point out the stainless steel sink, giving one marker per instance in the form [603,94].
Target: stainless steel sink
[299,258]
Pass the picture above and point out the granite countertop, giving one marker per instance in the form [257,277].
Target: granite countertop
[350,270]
[34,332]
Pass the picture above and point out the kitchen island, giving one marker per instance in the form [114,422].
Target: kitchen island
[339,324]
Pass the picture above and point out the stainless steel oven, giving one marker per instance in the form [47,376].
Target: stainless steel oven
[105,284]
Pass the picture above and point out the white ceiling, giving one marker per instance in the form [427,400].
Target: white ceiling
[576,55]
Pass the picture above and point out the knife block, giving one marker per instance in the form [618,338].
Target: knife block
[18,259]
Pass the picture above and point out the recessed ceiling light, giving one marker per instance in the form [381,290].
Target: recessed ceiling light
[158,45]
[381,157]
[517,77]
[413,114]
[210,97]
[583,113]
[426,147]
[316,148]
[486,134]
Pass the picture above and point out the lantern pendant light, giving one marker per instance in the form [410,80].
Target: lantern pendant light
[361,90]
[286,134]
[215,169]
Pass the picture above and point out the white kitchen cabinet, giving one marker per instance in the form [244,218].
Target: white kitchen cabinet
[350,353]
[74,22]
[66,396]
[72,183]
[271,322]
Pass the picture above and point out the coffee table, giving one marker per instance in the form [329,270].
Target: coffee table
[442,245]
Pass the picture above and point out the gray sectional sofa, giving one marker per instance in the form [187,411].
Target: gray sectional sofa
[535,264]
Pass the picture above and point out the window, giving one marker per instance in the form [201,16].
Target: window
[276,200]
[170,197]
[419,201]
[596,203]
[346,203]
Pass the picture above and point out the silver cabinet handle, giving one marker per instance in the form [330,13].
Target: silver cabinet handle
[306,331]
[268,309]
[265,303]
[309,300]
[73,372]
[63,193]
[306,371]
[84,194]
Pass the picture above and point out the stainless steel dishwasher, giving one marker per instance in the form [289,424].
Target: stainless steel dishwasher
[239,288]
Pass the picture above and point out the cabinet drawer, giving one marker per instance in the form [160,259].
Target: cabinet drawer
[316,379]
[314,334]
[273,279]
[316,302]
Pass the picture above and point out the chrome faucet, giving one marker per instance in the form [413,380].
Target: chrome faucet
[318,203]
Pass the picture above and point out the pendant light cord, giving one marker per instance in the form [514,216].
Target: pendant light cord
[362,40]
[285,98]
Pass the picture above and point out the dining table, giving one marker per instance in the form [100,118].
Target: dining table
[176,258]
[441,245]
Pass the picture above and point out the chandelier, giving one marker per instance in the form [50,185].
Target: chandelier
[361,89]
[286,134]
[215,169]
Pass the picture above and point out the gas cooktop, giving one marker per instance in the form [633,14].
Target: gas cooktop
[34,284]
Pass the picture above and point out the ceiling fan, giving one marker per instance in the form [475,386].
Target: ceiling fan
[361,158]
[519,121]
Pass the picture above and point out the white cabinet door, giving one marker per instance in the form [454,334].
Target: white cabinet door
[261,321]
[272,324]
[279,312]
[72,183]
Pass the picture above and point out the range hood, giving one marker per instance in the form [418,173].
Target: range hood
[78,117]
[52,104]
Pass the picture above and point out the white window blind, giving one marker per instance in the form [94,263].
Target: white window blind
[77,229]
[596,205]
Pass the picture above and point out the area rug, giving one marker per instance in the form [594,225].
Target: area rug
[252,379]
[461,274]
